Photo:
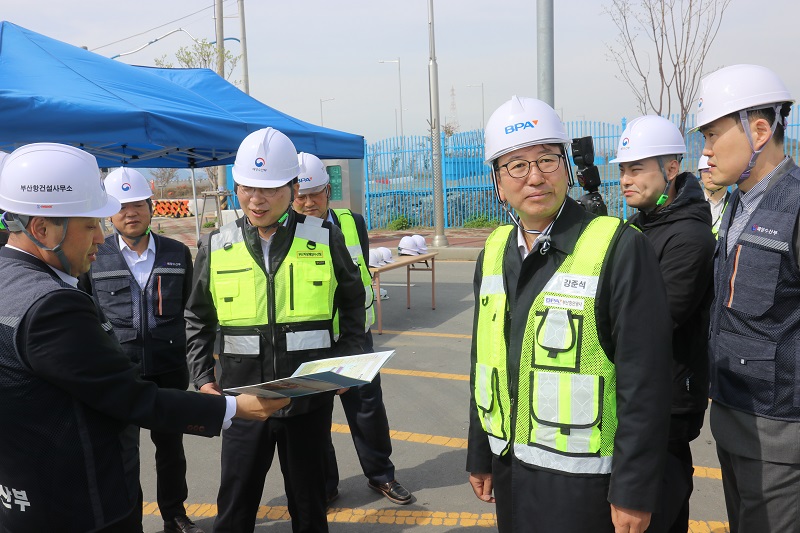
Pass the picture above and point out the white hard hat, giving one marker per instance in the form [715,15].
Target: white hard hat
[2,156]
[522,122]
[54,180]
[266,159]
[702,163]
[386,255]
[737,88]
[649,136]
[313,177]
[407,246]
[375,259]
[419,240]
[127,185]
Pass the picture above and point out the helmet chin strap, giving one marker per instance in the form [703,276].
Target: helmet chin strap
[134,240]
[746,126]
[16,223]
[544,235]
[664,195]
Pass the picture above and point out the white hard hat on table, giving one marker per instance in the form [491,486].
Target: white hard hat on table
[266,159]
[408,246]
[127,185]
[419,240]
[386,255]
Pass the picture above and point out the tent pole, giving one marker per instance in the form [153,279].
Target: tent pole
[196,213]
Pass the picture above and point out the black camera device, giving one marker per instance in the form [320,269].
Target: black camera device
[588,175]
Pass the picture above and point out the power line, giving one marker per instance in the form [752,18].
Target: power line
[157,27]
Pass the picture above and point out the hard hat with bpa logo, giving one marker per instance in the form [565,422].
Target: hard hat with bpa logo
[386,255]
[127,185]
[313,177]
[649,136]
[266,159]
[736,88]
[522,122]
[407,246]
[702,163]
[54,180]
[375,259]
[419,240]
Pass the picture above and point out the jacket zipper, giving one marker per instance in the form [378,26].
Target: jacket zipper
[271,318]
[291,286]
[732,281]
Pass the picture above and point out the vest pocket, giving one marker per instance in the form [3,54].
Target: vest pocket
[114,296]
[566,411]
[557,344]
[745,366]
[751,287]
[235,294]
[309,289]
[486,393]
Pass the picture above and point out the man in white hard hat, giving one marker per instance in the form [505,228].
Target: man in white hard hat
[69,389]
[566,382]
[673,214]
[363,406]
[142,282]
[716,195]
[273,281]
[755,317]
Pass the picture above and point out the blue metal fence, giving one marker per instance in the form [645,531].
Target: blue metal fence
[399,173]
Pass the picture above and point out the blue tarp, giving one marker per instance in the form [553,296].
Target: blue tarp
[125,115]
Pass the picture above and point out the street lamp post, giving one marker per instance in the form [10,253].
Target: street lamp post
[400,94]
[439,238]
[483,108]
[321,118]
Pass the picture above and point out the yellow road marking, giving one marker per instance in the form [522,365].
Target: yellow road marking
[394,516]
[423,374]
[429,334]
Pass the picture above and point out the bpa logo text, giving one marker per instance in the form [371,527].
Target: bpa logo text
[521,126]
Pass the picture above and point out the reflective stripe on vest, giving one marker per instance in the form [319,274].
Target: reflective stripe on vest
[304,288]
[565,409]
[348,225]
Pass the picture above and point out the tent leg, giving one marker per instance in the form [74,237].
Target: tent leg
[196,214]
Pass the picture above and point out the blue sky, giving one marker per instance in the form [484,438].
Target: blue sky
[301,51]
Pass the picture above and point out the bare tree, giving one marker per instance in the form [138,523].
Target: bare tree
[664,76]
[162,177]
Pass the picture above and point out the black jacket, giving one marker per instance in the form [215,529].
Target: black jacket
[67,392]
[201,315]
[634,326]
[156,338]
[684,244]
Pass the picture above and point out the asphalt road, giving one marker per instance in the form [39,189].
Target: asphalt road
[426,391]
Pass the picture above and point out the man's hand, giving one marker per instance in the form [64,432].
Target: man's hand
[251,407]
[211,388]
[482,486]
[628,520]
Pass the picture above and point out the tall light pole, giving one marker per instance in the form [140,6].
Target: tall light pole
[245,73]
[483,108]
[545,51]
[400,93]
[321,100]
[439,238]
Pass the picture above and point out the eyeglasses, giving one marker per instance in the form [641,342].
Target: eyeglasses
[312,195]
[267,192]
[520,168]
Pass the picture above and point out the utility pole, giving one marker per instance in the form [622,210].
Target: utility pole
[545,51]
[439,238]
[220,171]
[245,73]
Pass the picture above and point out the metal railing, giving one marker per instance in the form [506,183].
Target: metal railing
[399,175]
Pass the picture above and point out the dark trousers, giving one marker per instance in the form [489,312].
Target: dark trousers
[677,482]
[171,489]
[247,451]
[760,496]
[366,414]
[536,501]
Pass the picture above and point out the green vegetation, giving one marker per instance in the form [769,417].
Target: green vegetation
[481,221]
[399,223]
[210,223]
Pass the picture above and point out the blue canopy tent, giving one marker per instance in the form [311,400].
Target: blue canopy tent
[131,116]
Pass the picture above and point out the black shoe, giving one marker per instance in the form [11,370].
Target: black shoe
[393,490]
[331,497]
[181,524]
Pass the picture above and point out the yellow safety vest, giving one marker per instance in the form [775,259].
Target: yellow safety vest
[348,225]
[563,416]
[718,223]
[300,292]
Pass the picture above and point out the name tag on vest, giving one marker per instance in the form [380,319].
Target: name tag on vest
[575,284]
